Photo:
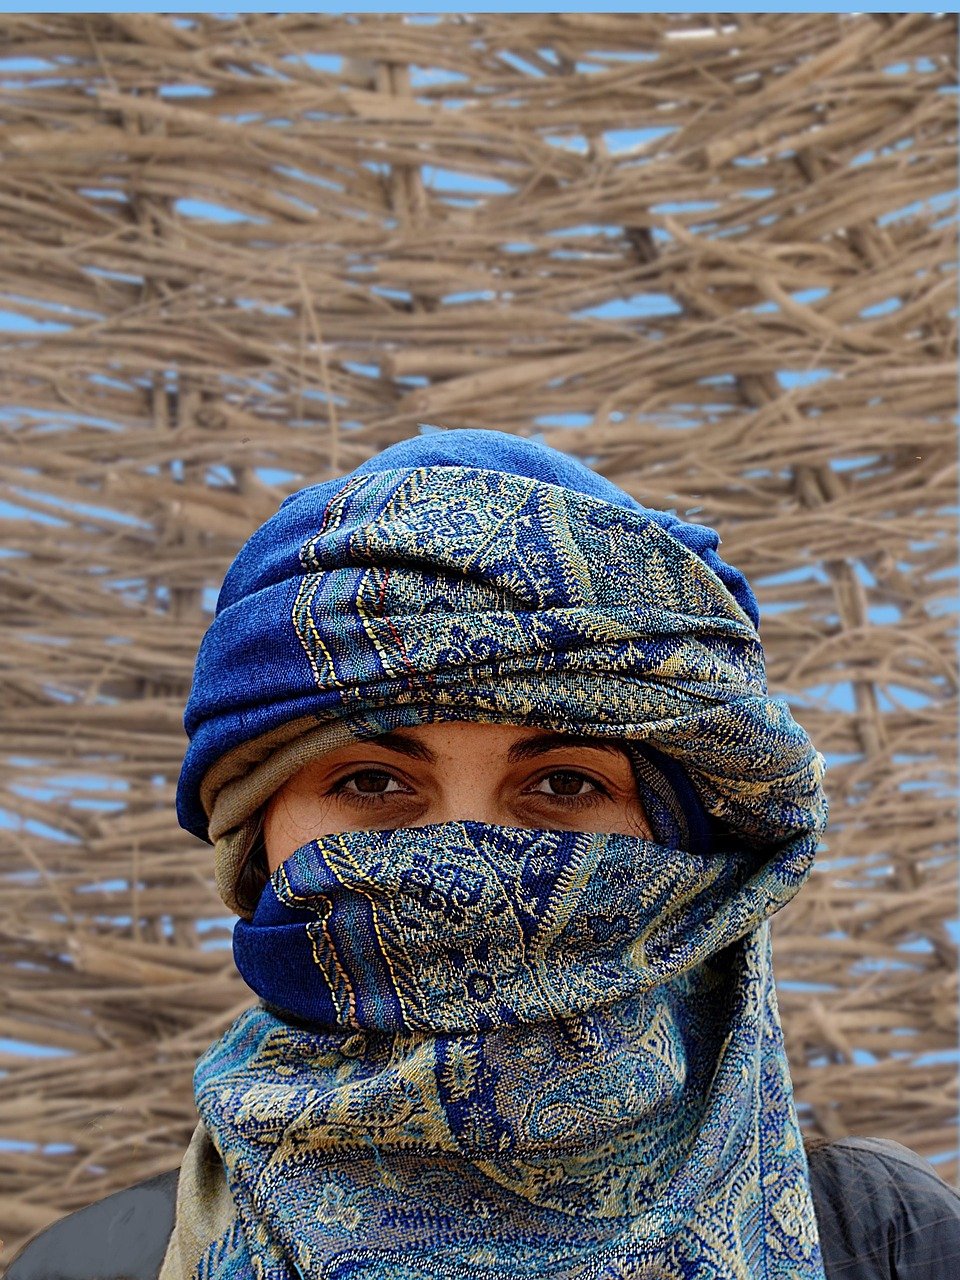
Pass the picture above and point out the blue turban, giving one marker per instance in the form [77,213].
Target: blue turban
[481,1051]
[254,673]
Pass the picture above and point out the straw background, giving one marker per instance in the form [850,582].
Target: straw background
[748,317]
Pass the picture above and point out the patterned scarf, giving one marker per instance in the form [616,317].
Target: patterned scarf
[485,1051]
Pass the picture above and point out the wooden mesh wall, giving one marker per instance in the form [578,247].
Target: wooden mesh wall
[712,255]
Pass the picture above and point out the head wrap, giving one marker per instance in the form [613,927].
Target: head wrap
[484,1051]
[258,710]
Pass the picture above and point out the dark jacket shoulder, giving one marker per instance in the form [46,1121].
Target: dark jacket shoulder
[882,1211]
[121,1237]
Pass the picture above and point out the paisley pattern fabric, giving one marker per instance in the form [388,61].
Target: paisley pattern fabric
[460,593]
[484,1051]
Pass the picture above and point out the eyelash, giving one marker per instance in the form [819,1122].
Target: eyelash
[370,799]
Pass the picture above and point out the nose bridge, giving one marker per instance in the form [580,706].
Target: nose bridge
[467,791]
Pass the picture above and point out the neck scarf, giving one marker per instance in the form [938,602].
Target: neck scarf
[485,1051]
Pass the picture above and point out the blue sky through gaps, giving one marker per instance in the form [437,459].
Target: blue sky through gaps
[427,7]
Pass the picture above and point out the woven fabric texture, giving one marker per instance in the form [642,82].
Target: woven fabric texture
[487,1051]
[255,673]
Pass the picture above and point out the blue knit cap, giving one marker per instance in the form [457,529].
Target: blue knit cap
[251,674]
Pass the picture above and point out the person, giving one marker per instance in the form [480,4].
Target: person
[504,808]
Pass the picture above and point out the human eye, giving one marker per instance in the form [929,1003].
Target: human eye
[568,787]
[368,786]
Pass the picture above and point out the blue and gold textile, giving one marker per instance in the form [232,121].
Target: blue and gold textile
[490,1053]
[505,526]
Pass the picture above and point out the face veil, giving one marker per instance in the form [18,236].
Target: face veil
[487,1051]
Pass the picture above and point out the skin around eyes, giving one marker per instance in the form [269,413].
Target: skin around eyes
[457,771]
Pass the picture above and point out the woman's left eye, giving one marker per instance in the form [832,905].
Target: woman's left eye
[566,784]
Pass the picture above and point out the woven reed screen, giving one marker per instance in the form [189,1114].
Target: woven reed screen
[712,255]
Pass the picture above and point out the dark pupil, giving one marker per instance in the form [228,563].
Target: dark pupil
[371,780]
[566,784]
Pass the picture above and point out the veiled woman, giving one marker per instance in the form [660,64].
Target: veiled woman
[497,790]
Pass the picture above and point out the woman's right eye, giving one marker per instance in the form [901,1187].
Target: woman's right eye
[368,782]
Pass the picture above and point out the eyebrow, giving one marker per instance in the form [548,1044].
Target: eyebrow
[525,749]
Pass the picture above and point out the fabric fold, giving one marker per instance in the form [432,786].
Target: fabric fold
[486,1051]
